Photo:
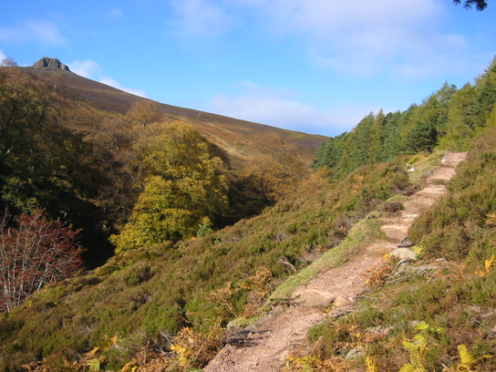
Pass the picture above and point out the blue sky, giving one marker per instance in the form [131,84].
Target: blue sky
[317,66]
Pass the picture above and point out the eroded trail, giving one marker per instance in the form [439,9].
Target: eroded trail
[266,344]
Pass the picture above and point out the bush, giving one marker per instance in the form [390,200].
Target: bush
[34,252]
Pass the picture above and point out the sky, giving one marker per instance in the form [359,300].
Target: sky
[315,66]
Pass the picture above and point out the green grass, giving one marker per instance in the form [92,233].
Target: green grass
[144,294]
[459,299]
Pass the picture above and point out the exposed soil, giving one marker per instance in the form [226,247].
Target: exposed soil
[267,348]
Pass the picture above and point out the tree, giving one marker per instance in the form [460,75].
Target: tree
[479,4]
[34,252]
[277,168]
[183,187]
[144,113]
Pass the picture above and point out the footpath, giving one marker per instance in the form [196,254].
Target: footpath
[265,345]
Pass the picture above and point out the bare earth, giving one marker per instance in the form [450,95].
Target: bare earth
[266,349]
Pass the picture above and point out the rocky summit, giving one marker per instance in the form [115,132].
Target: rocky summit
[47,62]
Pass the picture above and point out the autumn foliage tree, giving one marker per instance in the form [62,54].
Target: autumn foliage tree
[143,113]
[34,252]
[183,187]
[277,168]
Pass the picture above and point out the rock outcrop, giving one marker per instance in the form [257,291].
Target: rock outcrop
[52,63]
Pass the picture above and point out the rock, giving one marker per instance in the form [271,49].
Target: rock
[313,298]
[404,253]
[403,265]
[276,311]
[413,324]
[452,159]
[342,302]
[52,63]
[284,355]
[354,354]
[419,270]
[405,243]
[395,231]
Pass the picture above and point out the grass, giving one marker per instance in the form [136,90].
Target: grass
[456,301]
[145,294]
[363,233]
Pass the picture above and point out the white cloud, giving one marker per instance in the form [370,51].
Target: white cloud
[199,19]
[2,55]
[88,68]
[91,70]
[360,37]
[116,84]
[41,31]
[277,108]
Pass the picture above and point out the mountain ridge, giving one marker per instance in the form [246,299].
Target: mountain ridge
[236,136]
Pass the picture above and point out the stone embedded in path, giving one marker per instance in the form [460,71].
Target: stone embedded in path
[418,204]
[441,175]
[397,232]
[452,159]
[404,253]
[408,218]
[380,248]
[432,191]
[313,298]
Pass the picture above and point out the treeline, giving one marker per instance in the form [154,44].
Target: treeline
[450,118]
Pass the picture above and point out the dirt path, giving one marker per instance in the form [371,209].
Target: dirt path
[266,346]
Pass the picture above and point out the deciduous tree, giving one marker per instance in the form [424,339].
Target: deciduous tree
[182,187]
[277,168]
[34,252]
[144,113]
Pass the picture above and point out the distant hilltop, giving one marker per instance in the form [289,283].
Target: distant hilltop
[52,63]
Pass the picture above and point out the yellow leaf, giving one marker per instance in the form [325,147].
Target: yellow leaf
[92,352]
[114,339]
[489,263]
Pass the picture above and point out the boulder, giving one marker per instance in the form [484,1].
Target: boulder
[313,298]
[404,254]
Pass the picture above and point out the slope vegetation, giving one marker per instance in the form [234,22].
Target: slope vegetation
[237,137]
[173,305]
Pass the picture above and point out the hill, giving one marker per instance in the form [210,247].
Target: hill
[237,137]
[173,306]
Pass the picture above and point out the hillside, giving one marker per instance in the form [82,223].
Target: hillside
[389,183]
[75,148]
[237,137]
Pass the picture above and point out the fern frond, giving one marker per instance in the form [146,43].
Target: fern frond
[489,263]
[94,364]
[127,367]
[372,365]
[422,326]
[408,368]
[466,359]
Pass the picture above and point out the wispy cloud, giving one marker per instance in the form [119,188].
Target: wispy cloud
[279,108]
[2,55]
[198,19]
[114,83]
[361,37]
[43,32]
[91,70]
[397,38]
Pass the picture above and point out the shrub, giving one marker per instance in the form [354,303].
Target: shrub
[34,252]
